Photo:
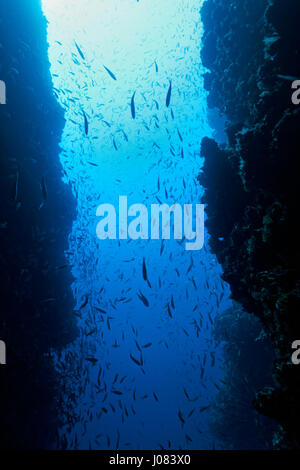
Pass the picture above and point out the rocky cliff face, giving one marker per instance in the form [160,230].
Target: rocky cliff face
[35,218]
[250,50]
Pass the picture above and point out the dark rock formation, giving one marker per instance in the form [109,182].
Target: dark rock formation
[251,51]
[247,367]
[36,214]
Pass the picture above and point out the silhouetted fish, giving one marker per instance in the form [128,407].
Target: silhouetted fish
[133,106]
[143,299]
[168,99]
[110,73]
[79,51]
[86,123]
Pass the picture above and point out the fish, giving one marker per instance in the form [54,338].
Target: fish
[116,378]
[125,135]
[79,51]
[168,98]
[169,312]
[143,299]
[91,359]
[203,408]
[100,310]
[86,123]
[144,270]
[110,73]
[179,135]
[133,106]
[181,417]
[138,363]
[84,302]
[118,439]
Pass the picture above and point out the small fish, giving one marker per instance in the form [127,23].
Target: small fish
[100,310]
[79,51]
[116,378]
[181,417]
[203,408]
[144,270]
[133,106]
[91,359]
[143,299]
[125,135]
[110,73]
[84,302]
[168,99]
[86,123]
[135,360]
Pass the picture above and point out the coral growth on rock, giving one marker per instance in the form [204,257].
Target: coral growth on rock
[250,51]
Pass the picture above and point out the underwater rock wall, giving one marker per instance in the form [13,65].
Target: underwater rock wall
[247,367]
[36,215]
[250,50]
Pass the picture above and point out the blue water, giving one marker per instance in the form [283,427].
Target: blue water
[145,44]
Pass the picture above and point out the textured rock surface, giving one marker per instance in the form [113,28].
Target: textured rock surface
[33,231]
[251,183]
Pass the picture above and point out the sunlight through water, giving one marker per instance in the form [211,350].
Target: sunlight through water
[135,369]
